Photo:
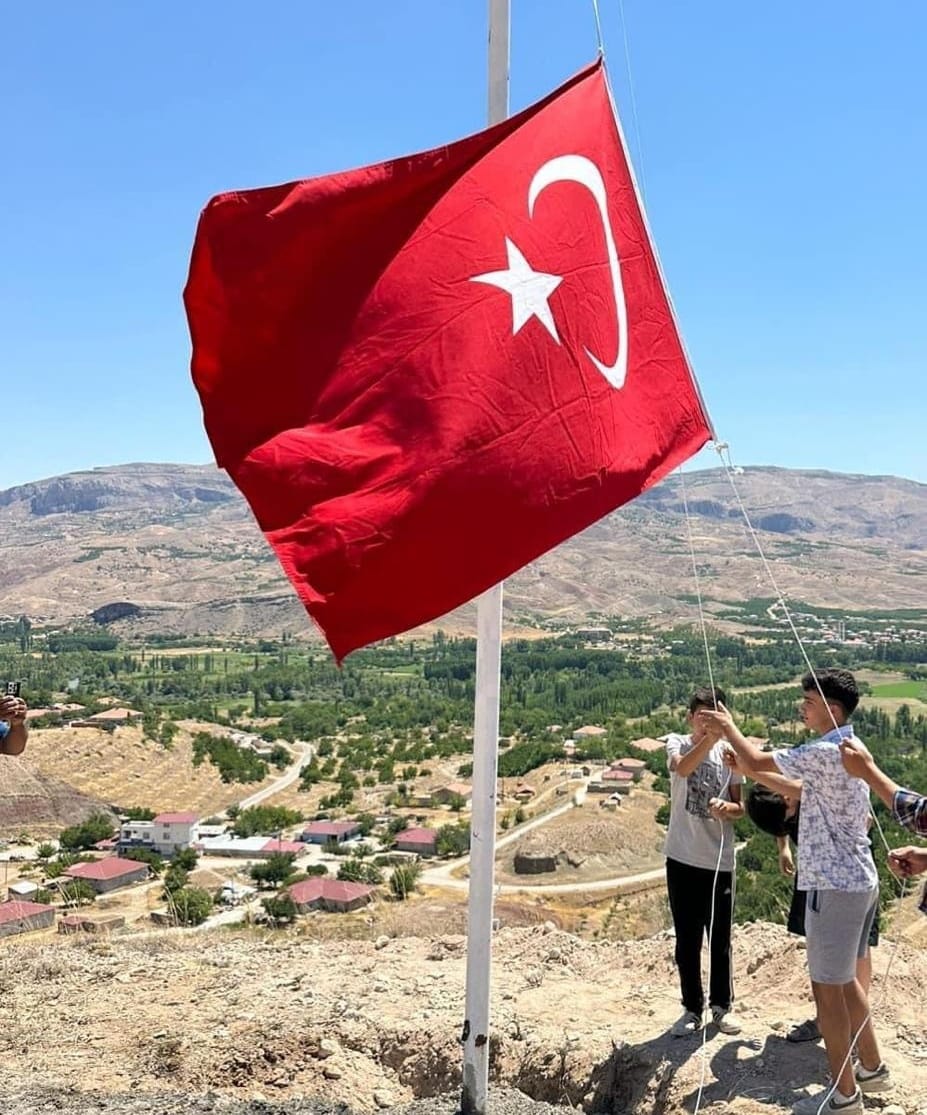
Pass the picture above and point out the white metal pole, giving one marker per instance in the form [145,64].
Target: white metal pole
[473,1100]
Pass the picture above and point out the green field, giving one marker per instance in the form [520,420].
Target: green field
[913,689]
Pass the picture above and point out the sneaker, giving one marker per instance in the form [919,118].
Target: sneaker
[689,1024]
[726,1021]
[873,1080]
[829,1104]
[804,1031]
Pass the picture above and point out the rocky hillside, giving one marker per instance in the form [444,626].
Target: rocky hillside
[38,803]
[286,1023]
[178,545]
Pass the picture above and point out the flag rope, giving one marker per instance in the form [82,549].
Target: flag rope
[598,28]
[714,883]
[722,448]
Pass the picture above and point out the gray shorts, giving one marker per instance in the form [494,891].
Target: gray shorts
[837,925]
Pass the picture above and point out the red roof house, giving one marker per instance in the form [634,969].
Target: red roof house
[335,895]
[324,832]
[109,874]
[295,847]
[423,841]
[23,917]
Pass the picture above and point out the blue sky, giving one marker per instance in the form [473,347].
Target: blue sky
[784,162]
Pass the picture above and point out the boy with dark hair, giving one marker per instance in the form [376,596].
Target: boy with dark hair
[837,871]
[699,850]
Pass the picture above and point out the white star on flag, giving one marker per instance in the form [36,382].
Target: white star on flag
[530,290]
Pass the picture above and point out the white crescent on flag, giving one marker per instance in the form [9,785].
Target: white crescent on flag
[530,289]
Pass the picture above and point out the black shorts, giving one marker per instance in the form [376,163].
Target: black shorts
[796,918]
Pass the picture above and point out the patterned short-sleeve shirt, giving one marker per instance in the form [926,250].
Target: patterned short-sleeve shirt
[832,826]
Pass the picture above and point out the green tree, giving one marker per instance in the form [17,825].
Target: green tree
[97,827]
[191,905]
[77,892]
[280,908]
[44,851]
[145,855]
[403,880]
[273,870]
[453,840]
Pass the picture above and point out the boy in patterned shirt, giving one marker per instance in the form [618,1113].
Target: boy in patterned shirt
[837,871]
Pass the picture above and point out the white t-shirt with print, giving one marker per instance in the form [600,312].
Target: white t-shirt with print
[694,837]
[833,833]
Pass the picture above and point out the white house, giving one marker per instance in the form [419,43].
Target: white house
[167,833]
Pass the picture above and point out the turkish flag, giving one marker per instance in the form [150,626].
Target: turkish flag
[424,374]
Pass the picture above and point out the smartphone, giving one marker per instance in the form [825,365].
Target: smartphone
[12,688]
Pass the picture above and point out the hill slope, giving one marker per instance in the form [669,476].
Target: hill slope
[377,1024]
[179,541]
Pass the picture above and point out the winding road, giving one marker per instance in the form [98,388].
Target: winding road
[443,875]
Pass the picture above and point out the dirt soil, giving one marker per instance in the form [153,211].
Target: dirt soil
[250,1022]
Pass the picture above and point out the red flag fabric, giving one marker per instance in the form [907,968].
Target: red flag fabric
[424,374]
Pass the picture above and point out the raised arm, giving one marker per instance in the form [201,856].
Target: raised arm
[752,761]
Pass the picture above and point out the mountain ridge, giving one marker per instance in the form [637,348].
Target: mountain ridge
[179,542]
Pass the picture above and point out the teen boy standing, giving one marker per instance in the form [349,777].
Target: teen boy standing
[699,850]
[836,870]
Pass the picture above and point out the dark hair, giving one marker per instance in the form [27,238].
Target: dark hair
[766,809]
[706,697]
[837,685]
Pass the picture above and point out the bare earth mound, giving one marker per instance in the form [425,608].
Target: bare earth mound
[216,1018]
[38,803]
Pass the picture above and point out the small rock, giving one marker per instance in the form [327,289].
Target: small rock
[381,942]
[327,1048]
[893,1109]
[554,954]
[331,1072]
[379,986]
[778,1025]
[259,1097]
[382,1099]
[549,927]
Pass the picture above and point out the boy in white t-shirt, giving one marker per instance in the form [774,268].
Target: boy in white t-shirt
[836,870]
[699,850]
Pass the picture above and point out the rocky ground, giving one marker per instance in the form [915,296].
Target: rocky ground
[285,1025]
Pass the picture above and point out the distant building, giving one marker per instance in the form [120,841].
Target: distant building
[22,891]
[108,720]
[634,767]
[24,917]
[446,795]
[335,895]
[166,834]
[249,847]
[109,874]
[618,780]
[589,731]
[79,923]
[329,832]
[647,745]
[276,846]
[422,841]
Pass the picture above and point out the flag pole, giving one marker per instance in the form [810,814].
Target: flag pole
[473,1100]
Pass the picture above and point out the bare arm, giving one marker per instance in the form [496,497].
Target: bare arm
[752,760]
[860,764]
[684,765]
